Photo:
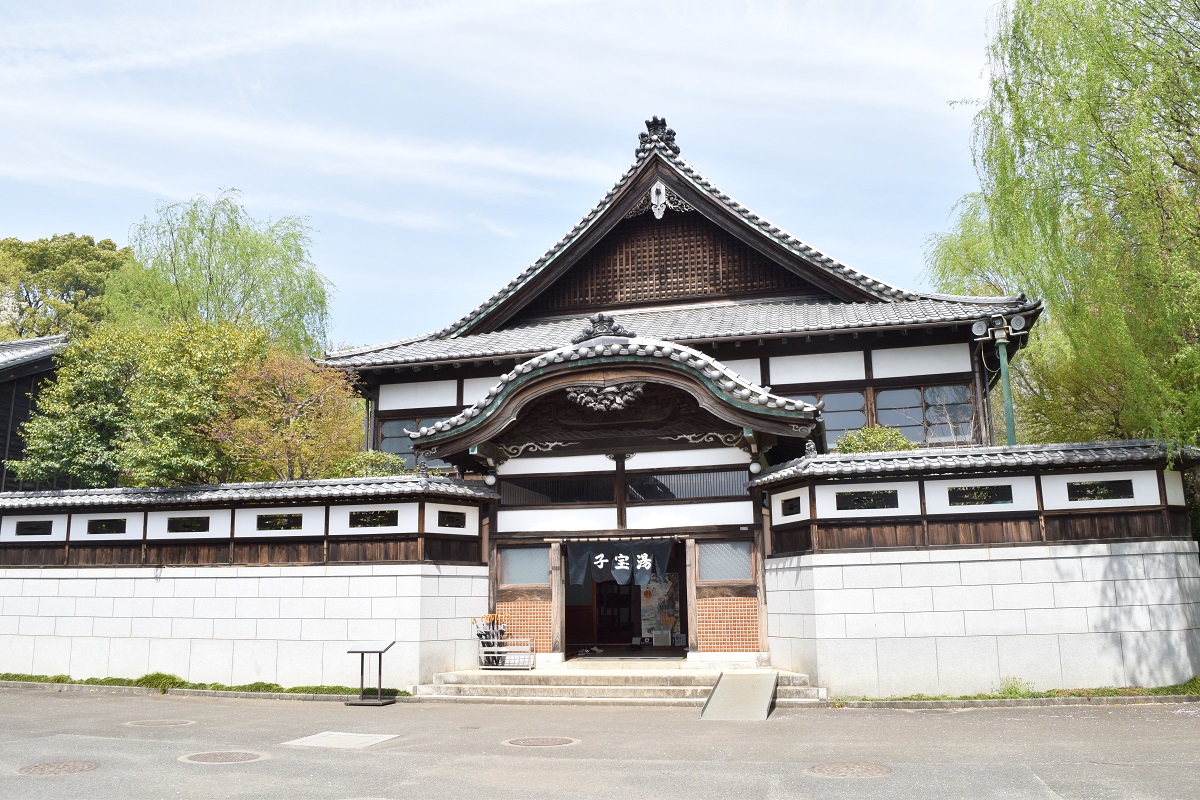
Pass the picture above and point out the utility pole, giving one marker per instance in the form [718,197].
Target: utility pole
[999,330]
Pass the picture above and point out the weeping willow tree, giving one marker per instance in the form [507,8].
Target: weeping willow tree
[1088,153]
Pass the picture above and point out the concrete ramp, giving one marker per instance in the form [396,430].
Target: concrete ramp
[742,695]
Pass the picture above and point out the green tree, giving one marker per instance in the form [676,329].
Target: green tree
[1088,153]
[55,285]
[368,464]
[874,439]
[130,406]
[285,418]
[208,259]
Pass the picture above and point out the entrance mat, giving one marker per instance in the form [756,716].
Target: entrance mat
[741,695]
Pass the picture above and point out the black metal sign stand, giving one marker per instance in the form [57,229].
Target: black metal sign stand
[374,648]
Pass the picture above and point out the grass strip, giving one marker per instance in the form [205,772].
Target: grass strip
[1019,690]
[163,681]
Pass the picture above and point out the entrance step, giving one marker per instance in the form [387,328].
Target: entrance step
[622,686]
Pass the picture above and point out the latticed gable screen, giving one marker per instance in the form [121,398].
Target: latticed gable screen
[679,257]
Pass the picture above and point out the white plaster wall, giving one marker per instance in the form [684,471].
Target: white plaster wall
[958,621]
[556,519]
[748,368]
[934,359]
[700,457]
[426,394]
[556,465]
[475,389]
[818,368]
[688,515]
[235,625]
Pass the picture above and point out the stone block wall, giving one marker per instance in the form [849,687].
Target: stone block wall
[235,625]
[888,623]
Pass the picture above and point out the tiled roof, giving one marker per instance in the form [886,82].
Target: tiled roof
[22,351]
[660,143]
[726,381]
[691,323]
[968,459]
[230,493]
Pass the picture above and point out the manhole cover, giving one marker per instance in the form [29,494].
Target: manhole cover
[541,741]
[227,757]
[160,723]
[853,769]
[58,768]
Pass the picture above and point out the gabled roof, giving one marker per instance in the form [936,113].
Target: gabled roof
[971,459]
[657,151]
[699,323]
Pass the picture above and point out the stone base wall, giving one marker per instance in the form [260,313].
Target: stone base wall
[236,625]
[954,622]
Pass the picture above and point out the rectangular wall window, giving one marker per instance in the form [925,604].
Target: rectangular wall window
[1082,491]
[554,489]
[724,561]
[792,506]
[40,527]
[524,566]
[661,486]
[375,519]
[981,495]
[280,522]
[932,415]
[451,519]
[868,500]
[187,524]
[106,526]
[844,411]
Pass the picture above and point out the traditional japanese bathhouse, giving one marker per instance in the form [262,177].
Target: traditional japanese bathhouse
[621,391]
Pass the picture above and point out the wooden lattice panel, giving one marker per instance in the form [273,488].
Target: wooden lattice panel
[527,619]
[727,625]
[679,257]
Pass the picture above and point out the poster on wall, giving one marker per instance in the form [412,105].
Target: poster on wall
[660,607]
[623,562]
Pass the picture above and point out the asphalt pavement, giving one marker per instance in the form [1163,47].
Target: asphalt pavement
[130,747]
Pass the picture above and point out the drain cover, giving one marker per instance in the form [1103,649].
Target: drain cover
[160,723]
[851,769]
[58,768]
[541,741]
[226,757]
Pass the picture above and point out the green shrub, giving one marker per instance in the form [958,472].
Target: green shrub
[161,681]
[874,439]
[1012,688]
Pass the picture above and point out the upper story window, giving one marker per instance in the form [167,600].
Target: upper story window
[393,439]
[844,411]
[931,415]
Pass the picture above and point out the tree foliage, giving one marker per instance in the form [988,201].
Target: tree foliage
[874,439]
[208,259]
[1088,153]
[285,418]
[129,406]
[369,464]
[55,285]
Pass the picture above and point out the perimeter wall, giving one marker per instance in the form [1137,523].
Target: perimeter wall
[958,621]
[240,624]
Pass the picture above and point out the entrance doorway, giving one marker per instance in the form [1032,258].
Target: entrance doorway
[605,619]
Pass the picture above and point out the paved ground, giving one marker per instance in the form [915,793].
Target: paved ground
[457,751]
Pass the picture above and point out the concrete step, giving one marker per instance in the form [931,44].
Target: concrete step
[685,702]
[792,678]
[527,690]
[543,677]
[798,693]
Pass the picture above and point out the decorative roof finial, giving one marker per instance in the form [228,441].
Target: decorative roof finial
[602,324]
[657,127]
[423,471]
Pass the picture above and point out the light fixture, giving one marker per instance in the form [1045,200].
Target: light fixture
[1017,323]
[489,479]
[755,467]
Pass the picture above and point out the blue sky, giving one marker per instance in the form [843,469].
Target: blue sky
[438,148]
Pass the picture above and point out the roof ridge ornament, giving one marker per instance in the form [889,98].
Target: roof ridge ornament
[657,132]
[658,198]
[601,324]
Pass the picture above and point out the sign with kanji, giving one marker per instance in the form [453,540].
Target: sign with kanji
[623,562]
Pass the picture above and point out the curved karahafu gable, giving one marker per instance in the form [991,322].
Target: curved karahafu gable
[605,354]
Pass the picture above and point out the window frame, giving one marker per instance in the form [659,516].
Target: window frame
[753,549]
[500,553]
